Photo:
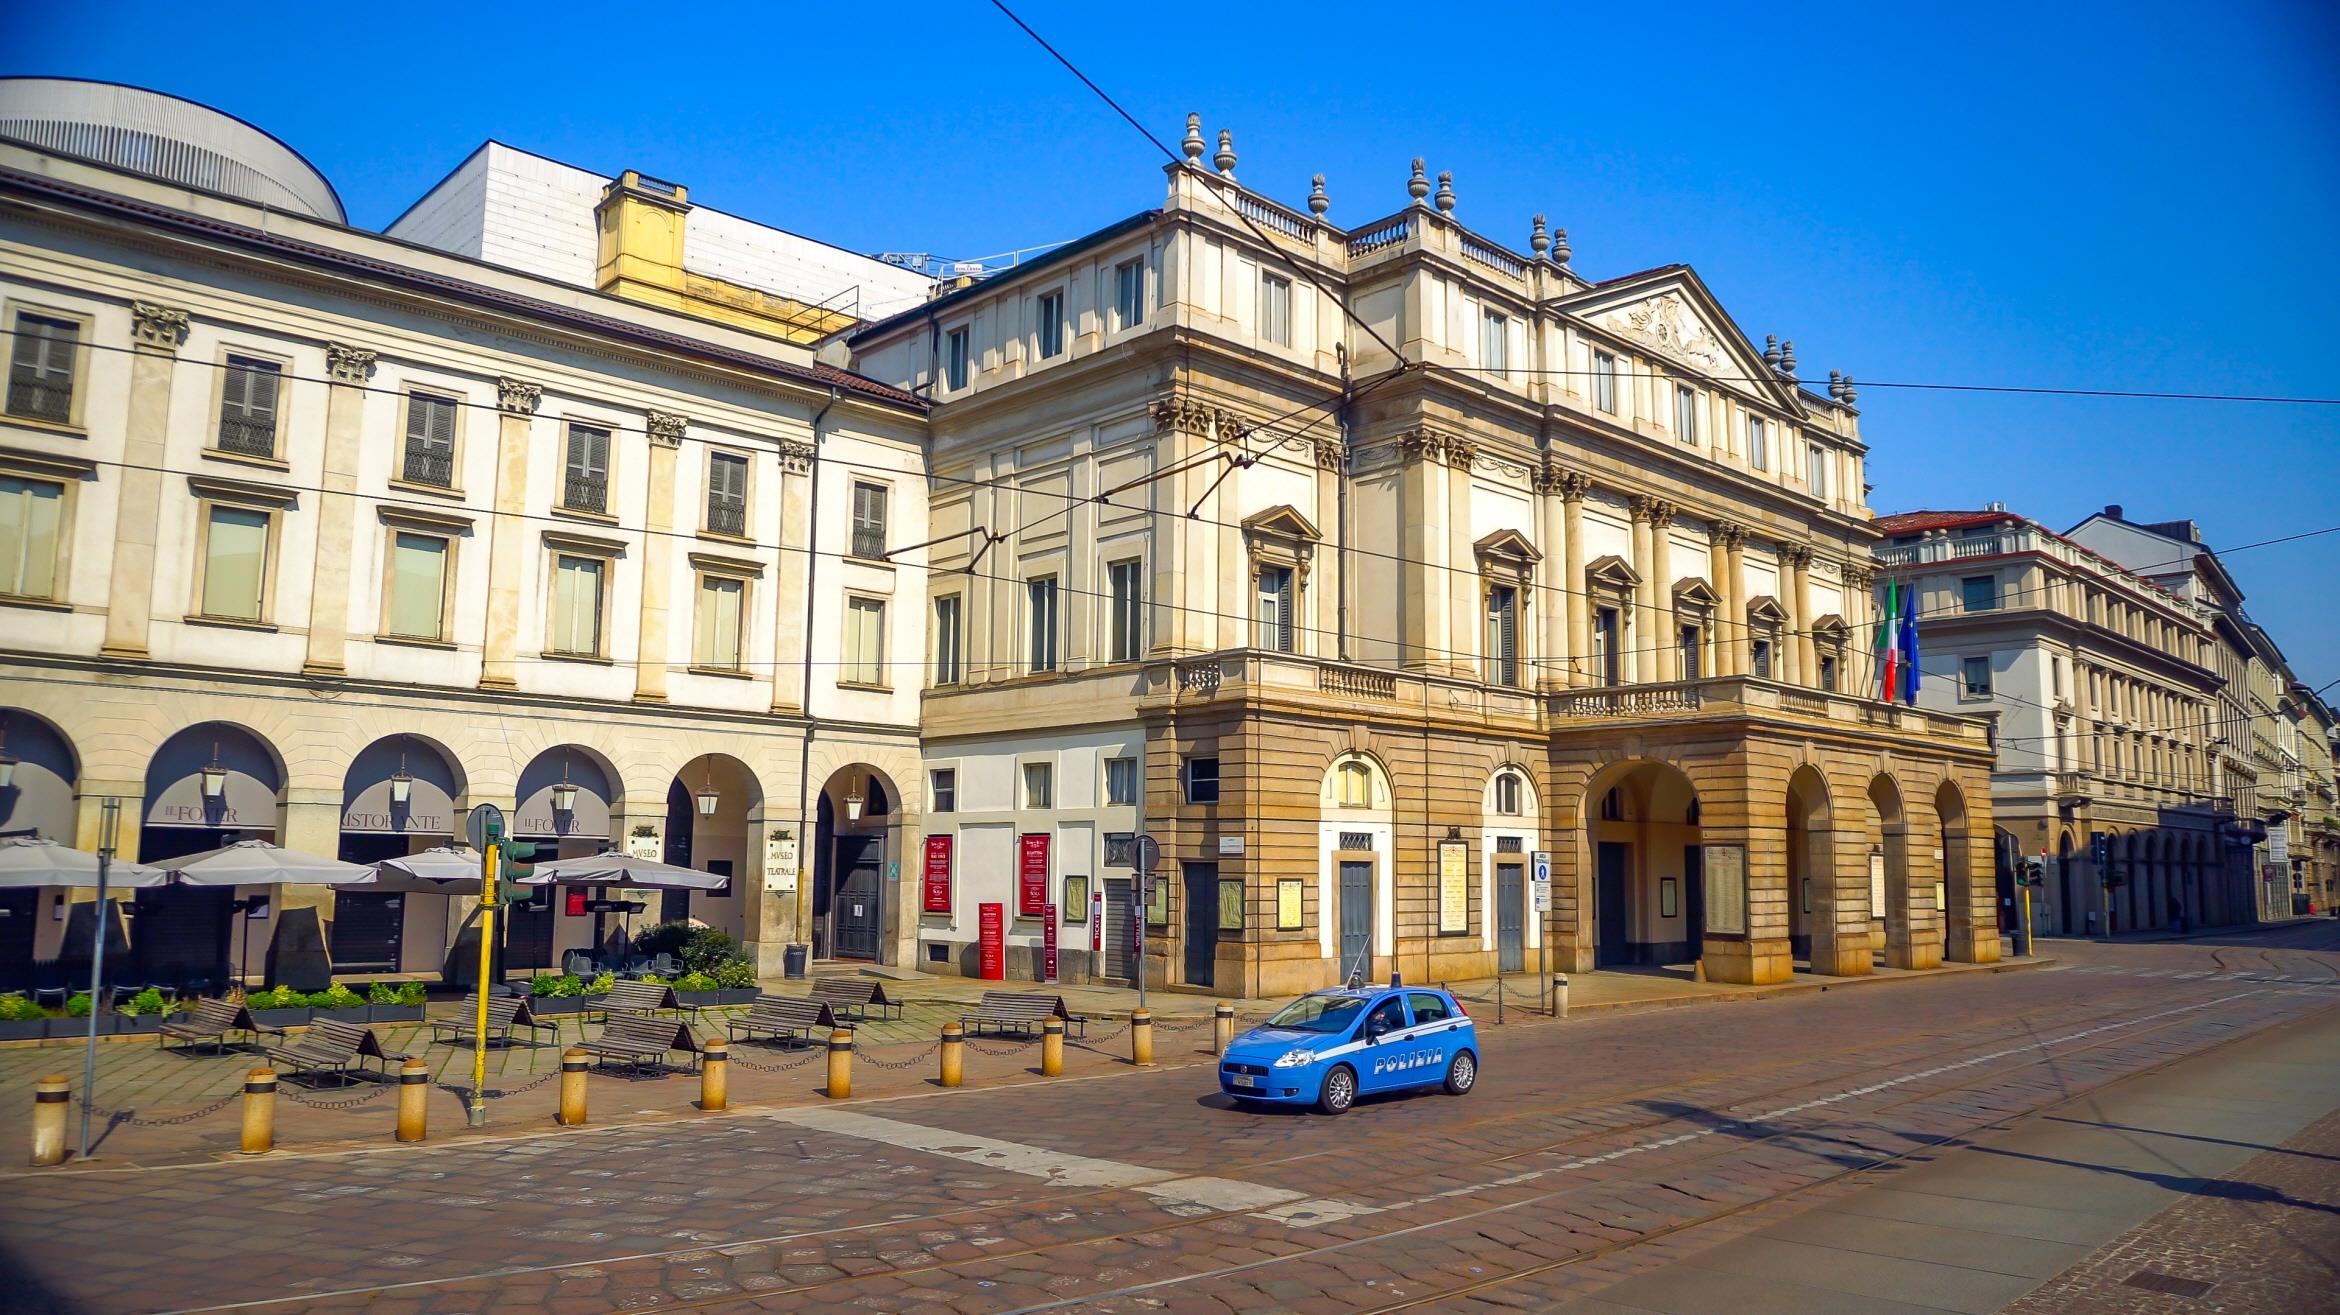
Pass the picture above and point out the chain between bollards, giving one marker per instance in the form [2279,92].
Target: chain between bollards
[954,1058]
[840,1064]
[259,1134]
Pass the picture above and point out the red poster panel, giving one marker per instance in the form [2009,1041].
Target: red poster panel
[1032,876]
[574,905]
[1048,944]
[1097,922]
[993,922]
[938,875]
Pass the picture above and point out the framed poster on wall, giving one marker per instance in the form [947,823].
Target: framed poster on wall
[1076,899]
[936,885]
[1454,887]
[1726,889]
[1032,875]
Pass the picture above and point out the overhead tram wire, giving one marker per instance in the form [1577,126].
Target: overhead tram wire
[2135,394]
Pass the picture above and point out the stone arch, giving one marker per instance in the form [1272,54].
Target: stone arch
[1356,879]
[208,784]
[1640,846]
[1346,773]
[714,811]
[859,820]
[1827,918]
[580,777]
[1970,929]
[1909,942]
[43,772]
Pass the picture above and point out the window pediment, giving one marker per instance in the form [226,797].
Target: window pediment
[1612,572]
[1765,608]
[1281,521]
[1694,591]
[1831,629]
[1507,544]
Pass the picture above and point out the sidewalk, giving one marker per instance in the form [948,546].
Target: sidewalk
[2164,937]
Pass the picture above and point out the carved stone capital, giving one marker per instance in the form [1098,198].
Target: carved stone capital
[1330,453]
[1859,575]
[1725,534]
[796,458]
[157,328]
[1571,485]
[1185,415]
[1661,513]
[1461,452]
[1797,556]
[666,428]
[1642,506]
[347,364]
[516,398]
[1423,443]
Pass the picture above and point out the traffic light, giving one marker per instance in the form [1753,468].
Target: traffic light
[518,861]
[2032,873]
[2100,850]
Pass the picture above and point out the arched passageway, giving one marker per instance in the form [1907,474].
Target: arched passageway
[1648,873]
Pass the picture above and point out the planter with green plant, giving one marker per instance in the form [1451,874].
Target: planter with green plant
[21,1019]
[142,1013]
[338,1003]
[402,1003]
[279,1006]
[556,993]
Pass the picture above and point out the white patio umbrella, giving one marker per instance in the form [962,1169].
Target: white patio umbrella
[612,868]
[439,871]
[30,861]
[265,863]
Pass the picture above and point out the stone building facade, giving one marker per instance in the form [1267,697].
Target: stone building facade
[1363,567]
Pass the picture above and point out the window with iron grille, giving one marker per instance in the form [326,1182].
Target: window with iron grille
[1120,849]
[1357,840]
[585,479]
[430,440]
[40,368]
[727,476]
[1509,845]
[248,390]
[869,520]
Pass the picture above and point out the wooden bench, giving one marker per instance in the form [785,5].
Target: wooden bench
[640,1041]
[639,998]
[209,1023]
[854,997]
[788,1017]
[505,1012]
[330,1046]
[1021,1011]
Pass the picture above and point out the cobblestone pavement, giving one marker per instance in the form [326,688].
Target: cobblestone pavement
[1592,1149]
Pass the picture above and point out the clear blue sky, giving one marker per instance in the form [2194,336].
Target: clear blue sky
[2069,195]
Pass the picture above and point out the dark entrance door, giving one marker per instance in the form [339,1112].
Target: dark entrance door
[1510,918]
[1356,919]
[1613,860]
[182,934]
[368,928]
[854,910]
[17,908]
[1693,901]
[1202,924]
[1120,954]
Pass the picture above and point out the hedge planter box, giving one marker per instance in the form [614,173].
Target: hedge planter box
[546,1006]
[24,1029]
[295,1017]
[352,1014]
[394,1013]
[137,1024]
[727,996]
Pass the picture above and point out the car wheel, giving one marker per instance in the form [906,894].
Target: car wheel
[1340,1090]
[1462,1074]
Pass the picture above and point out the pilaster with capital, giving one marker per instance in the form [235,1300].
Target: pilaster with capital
[1667,638]
[1429,587]
[1726,545]
[794,578]
[666,435]
[347,368]
[1570,487]
[1645,642]
[130,603]
[1802,653]
[510,562]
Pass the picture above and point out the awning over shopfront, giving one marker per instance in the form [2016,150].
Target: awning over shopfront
[264,863]
[29,862]
[439,871]
[616,869]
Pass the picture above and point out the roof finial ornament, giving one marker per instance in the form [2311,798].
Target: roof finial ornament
[1445,197]
[1193,145]
[1318,202]
[1539,239]
[1771,350]
[1787,359]
[1836,384]
[1418,186]
[1560,248]
[1850,396]
[1225,159]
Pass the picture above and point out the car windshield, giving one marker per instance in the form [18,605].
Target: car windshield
[1319,1013]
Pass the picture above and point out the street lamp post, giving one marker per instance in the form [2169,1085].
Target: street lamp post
[109,833]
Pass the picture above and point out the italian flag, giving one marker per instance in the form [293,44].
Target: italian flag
[1889,642]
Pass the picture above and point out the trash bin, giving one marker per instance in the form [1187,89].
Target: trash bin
[793,961]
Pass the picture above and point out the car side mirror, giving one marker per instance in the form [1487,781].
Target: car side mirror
[1375,1029]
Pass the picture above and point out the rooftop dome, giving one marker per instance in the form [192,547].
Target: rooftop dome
[164,137]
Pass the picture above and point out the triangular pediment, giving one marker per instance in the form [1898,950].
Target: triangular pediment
[1764,607]
[1282,521]
[1694,591]
[1613,571]
[1831,627]
[1671,313]
[1507,543]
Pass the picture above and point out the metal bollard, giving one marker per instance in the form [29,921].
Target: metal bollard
[1141,1037]
[1499,1002]
[840,1064]
[1222,1028]
[573,1065]
[715,1075]
[414,1094]
[954,1054]
[1052,1048]
[1560,997]
[259,1112]
[52,1099]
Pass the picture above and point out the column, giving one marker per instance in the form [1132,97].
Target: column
[1667,640]
[1857,677]
[1735,597]
[155,333]
[1555,599]
[1643,642]
[337,507]
[1466,592]
[666,436]
[1727,623]
[1324,599]
[1428,639]
[1572,487]
[298,951]
[795,577]
[509,561]
[1795,649]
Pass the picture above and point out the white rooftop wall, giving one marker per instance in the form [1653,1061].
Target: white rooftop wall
[163,137]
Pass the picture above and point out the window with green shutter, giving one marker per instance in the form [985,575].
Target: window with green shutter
[1503,635]
[1275,609]
[248,391]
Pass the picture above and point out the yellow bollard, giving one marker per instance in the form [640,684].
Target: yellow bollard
[52,1098]
[954,1058]
[1222,1029]
[573,1065]
[1052,1048]
[1698,970]
[1141,1037]
[414,1094]
[259,1112]
[840,1064]
[715,1075]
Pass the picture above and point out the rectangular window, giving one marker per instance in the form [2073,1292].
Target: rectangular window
[1758,443]
[1828,672]
[727,476]
[1979,593]
[1039,785]
[1686,414]
[721,602]
[1051,316]
[1816,473]
[943,783]
[1693,649]
[1040,605]
[1502,655]
[869,520]
[955,356]
[1121,782]
[1760,658]
[40,368]
[429,457]
[418,585]
[1275,609]
[30,511]
[1129,610]
[1604,382]
[865,641]
[1129,294]
[1202,780]
[235,563]
[1607,660]
[585,481]
[1974,675]
[1495,343]
[946,640]
[1275,309]
[576,604]
[248,389]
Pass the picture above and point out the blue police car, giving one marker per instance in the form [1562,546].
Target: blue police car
[1329,1047]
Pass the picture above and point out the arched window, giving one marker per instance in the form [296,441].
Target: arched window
[1507,793]
[1355,784]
